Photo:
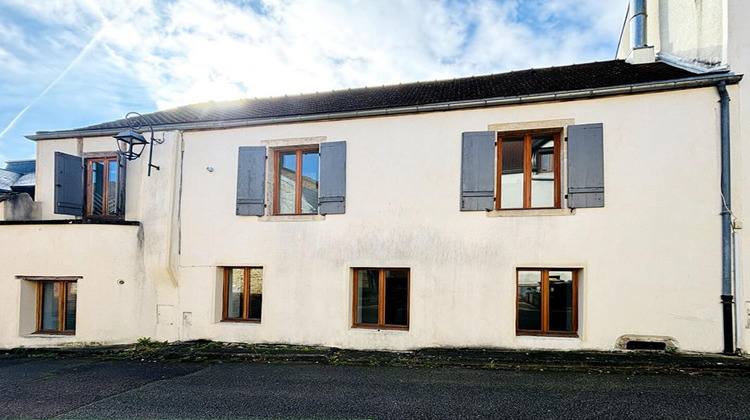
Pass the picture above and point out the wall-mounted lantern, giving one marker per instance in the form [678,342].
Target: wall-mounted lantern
[131,143]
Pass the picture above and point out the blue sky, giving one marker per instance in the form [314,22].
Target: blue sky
[71,63]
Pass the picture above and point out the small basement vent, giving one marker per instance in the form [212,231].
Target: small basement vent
[645,345]
[646,342]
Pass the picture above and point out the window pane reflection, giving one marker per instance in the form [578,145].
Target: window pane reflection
[561,301]
[530,300]
[236,293]
[112,188]
[310,182]
[396,297]
[97,188]
[542,177]
[50,305]
[256,292]
[511,182]
[367,296]
[71,299]
[287,182]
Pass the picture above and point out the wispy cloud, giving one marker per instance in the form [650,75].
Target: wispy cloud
[62,74]
[164,54]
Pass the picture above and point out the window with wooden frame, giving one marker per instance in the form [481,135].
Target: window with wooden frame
[243,294]
[296,182]
[56,306]
[381,298]
[547,301]
[528,174]
[105,187]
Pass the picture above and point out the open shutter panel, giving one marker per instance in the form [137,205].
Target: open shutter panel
[585,166]
[68,184]
[332,178]
[251,181]
[121,178]
[478,170]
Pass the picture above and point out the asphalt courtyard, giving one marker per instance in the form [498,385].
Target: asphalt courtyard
[92,388]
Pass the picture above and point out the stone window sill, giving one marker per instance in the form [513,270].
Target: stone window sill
[293,218]
[531,213]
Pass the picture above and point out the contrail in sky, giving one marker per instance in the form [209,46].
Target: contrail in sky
[54,82]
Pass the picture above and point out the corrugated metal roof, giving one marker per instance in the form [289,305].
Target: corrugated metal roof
[7,179]
[26,180]
[21,166]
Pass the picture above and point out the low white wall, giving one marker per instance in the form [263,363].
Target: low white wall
[103,256]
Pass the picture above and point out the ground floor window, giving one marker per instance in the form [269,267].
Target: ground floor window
[56,306]
[547,301]
[243,294]
[381,298]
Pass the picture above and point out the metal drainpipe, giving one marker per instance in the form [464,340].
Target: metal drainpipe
[726,223]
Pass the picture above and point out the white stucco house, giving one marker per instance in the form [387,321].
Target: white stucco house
[589,206]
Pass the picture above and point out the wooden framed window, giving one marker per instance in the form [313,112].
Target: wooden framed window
[105,187]
[56,306]
[381,298]
[243,294]
[528,174]
[547,301]
[296,183]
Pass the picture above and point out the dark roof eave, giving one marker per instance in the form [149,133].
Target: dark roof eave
[675,84]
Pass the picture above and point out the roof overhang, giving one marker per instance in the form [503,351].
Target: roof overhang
[666,85]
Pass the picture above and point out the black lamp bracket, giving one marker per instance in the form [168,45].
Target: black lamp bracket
[137,121]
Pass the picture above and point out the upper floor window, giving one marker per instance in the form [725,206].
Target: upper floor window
[528,171]
[296,183]
[90,187]
[306,180]
[101,187]
[519,170]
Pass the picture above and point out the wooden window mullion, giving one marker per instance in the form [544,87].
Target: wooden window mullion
[556,156]
[246,297]
[105,196]
[499,180]
[381,297]
[225,304]
[527,171]
[545,300]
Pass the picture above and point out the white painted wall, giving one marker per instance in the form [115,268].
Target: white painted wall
[690,32]
[650,258]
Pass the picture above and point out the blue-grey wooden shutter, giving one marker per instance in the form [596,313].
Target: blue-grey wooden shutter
[332,178]
[121,178]
[585,166]
[68,184]
[251,181]
[478,170]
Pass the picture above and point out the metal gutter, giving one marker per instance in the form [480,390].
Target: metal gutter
[685,83]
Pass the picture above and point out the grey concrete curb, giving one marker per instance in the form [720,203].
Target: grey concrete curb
[578,361]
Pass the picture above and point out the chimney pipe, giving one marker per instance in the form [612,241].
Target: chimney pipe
[638,24]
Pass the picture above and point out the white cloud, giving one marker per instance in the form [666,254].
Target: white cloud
[188,51]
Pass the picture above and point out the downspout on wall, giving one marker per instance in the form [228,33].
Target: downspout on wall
[726,222]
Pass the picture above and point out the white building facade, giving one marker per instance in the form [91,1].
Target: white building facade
[585,215]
